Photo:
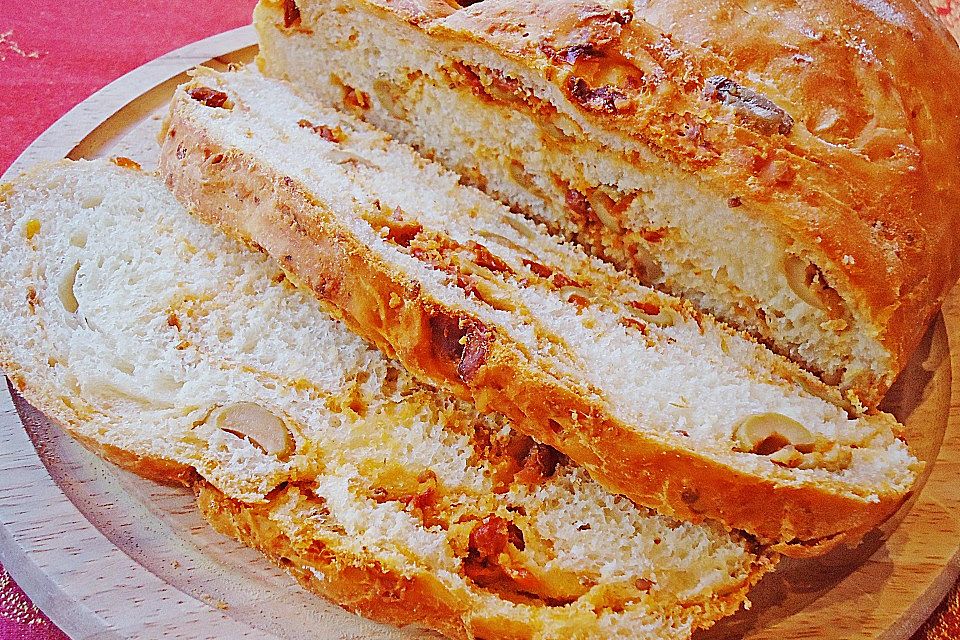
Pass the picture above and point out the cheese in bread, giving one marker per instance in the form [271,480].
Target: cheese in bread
[188,357]
[791,168]
[655,399]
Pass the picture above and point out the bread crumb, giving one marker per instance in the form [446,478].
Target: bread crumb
[7,43]
[214,602]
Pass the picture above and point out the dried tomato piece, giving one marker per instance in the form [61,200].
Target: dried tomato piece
[560,281]
[539,464]
[400,230]
[654,235]
[639,325]
[538,269]
[605,99]
[468,284]
[485,259]
[209,97]
[581,302]
[335,134]
[466,343]
[291,13]
[475,351]
[485,575]
[355,99]
[446,334]
[489,538]
[515,536]
[649,308]
[577,203]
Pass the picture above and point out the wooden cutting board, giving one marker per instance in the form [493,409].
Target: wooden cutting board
[108,555]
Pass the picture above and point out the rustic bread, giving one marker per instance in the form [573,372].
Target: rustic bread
[133,325]
[654,399]
[791,168]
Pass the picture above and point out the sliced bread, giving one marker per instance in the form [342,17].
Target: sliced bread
[657,401]
[184,355]
[791,169]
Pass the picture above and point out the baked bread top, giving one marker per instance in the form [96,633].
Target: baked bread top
[837,122]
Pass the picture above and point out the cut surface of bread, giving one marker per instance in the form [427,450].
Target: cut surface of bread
[657,401]
[787,181]
[166,346]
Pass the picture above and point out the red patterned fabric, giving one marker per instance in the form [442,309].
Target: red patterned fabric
[19,618]
[55,53]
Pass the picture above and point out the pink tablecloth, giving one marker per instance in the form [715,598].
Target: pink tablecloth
[55,53]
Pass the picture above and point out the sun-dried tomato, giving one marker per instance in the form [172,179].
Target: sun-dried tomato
[489,538]
[581,302]
[487,260]
[334,134]
[654,235]
[400,230]
[465,343]
[639,325]
[209,97]
[475,351]
[560,281]
[538,269]
[468,284]
[577,203]
[291,13]
[484,574]
[649,308]
[606,99]
[355,99]
[446,335]
[539,464]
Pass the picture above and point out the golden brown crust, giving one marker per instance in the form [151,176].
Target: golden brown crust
[359,584]
[399,597]
[364,588]
[382,305]
[847,150]
[386,586]
[157,469]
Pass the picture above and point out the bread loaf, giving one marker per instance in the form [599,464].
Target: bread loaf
[181,354]
[790,168]
[656,400]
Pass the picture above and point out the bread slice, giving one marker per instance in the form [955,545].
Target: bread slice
[757,162]
[654,399]
[134,326]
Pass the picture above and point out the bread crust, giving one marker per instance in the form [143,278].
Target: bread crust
[390,310]
[863,179]
[359,587]
[155,468]
[387,576]
[387,595]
